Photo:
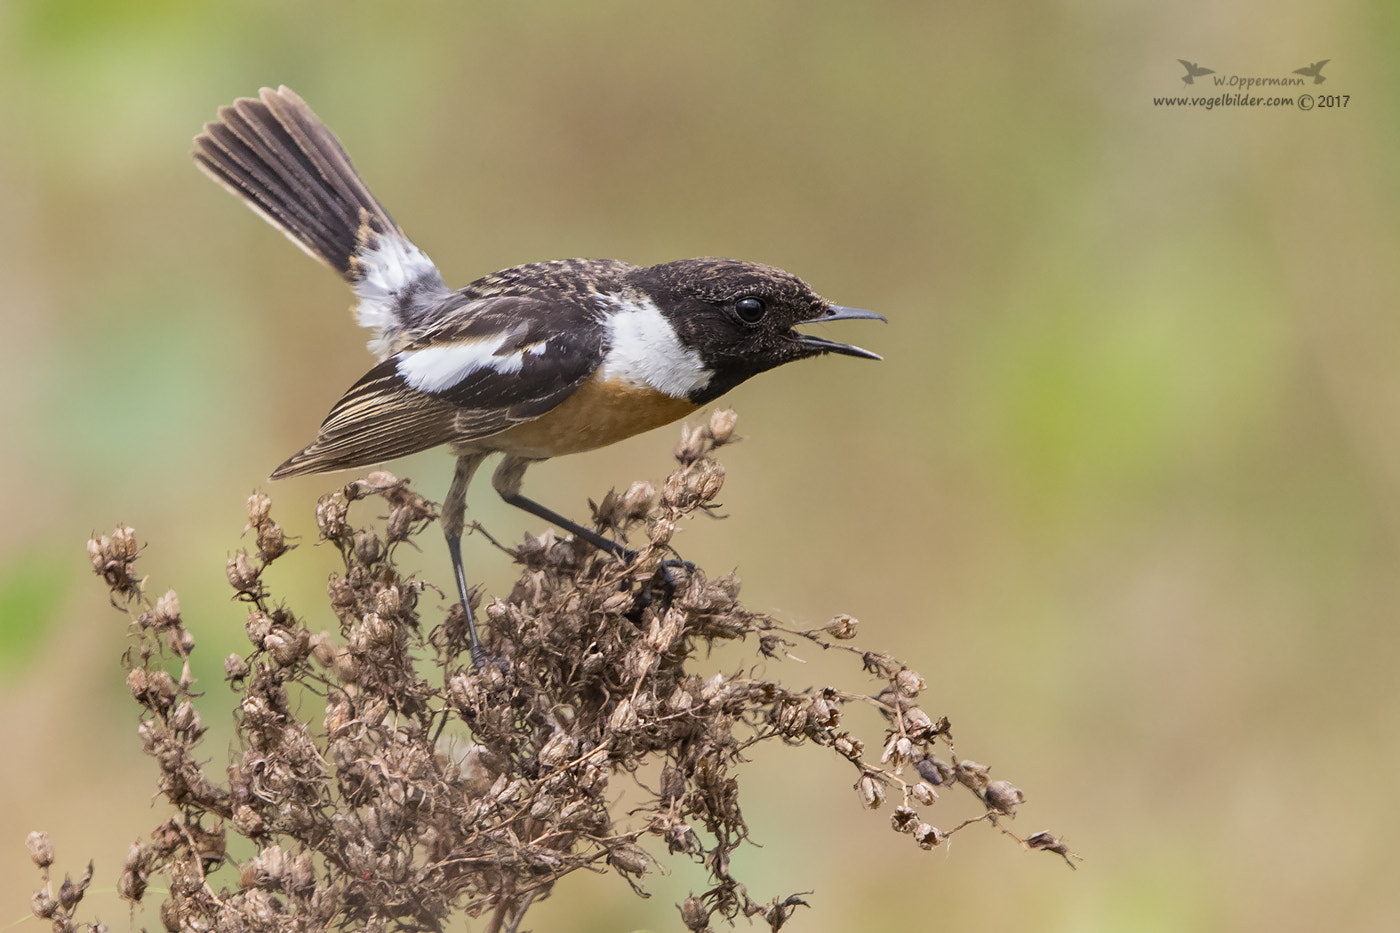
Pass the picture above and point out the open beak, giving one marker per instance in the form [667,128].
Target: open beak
[838,313]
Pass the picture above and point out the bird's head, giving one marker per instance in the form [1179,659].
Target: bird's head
[740,318]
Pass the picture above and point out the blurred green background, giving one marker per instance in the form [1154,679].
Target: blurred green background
[1126,489]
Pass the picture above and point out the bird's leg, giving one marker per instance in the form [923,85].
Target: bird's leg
[454,518]
[507,480]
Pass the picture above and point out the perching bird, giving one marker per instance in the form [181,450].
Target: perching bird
[1193,71]
[534,361]
[1313,71]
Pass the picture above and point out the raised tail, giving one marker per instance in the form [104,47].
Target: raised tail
[276,154]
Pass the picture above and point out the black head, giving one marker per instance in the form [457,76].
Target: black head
[740,316]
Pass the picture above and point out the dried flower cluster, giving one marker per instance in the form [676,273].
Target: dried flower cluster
[422,785]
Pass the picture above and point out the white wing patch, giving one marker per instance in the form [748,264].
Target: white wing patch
[437,369]
[393,265]
[645,351]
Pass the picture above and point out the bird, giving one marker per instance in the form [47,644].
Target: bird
[1193,71]
[535,361]
[1313,71]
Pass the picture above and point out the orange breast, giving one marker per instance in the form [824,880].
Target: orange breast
[598,414]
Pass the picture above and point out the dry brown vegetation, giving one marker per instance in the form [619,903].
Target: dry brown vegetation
[385,782]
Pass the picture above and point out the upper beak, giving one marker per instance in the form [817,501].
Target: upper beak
[839,313]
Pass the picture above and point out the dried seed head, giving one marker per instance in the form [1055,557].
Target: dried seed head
[927,836]
[607,514]
[617,603]
[665,630]
[628,858]
[347,667]
[367,547]
[904,819]
[934,771]
[124,545]
[694,915]
[916,722]
[138,857]
[270,865]
[272,541]
[842,626]
[40,849]
[543,807]
[909,683]
[259,506]
[880,663]
[323,648]
[235,668]
[710,481]
[691,446]
[1049,843]
[71,892]
[924,793]
[972,775]
[594,779]
[624,717]
[680,700]
[872,793]
[661,532]
[1003,796]
[640,658]
[152,689]
[342,596]
[288,647]
[331,512]
[791,718]
[243,573]
[382,479]
[638,500]
[258,626]
[131,885]
[558,749]
[185,719]
[43,903]
[387,602]
[849,747]
[339,712]
[722,426]
[167,612]
[898,751]
[112,559]
[577,814]
[399,526]
[823,713]
[378,630]
[301,873]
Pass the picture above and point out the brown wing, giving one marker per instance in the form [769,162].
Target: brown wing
[383,416]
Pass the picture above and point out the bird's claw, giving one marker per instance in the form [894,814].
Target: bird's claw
[481,660]
[668,578]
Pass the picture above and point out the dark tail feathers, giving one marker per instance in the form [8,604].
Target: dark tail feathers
[275,153]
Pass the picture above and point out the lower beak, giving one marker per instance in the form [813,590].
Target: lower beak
[839,313]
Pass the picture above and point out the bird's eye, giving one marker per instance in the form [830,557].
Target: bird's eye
[750,309]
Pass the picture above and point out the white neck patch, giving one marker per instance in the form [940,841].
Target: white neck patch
[645,351]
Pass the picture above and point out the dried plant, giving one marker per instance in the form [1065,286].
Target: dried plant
[423,786]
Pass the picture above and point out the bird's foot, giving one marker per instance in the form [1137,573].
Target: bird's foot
[482,661]
[661,588]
